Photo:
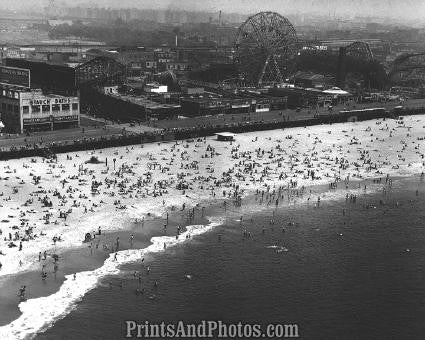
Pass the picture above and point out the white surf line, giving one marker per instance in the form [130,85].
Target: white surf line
[39,314]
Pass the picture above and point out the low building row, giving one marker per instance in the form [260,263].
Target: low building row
[25,110]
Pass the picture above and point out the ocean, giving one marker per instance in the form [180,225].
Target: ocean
[339,270]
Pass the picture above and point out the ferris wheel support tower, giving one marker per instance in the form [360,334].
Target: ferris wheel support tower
[265,46]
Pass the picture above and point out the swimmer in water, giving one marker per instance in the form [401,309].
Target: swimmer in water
[21,292]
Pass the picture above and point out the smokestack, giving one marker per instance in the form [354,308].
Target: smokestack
[219,18]
[177,40]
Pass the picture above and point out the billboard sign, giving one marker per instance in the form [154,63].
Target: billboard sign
[65,118]
[15,76]
[37,120]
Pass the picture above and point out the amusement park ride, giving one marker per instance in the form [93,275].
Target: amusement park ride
[266,51]
[265,46]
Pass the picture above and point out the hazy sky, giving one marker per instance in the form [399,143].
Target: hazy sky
[409,9]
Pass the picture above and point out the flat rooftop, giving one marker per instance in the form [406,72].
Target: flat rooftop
[143,101]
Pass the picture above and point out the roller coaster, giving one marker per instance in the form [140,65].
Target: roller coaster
[266,44]
[357,50]
[408,68]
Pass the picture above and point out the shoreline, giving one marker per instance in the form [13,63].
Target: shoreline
[137,207]
[153,237]
[40,313]
[156,179]
[313,261]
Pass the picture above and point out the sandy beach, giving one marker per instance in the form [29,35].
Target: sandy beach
[48,206]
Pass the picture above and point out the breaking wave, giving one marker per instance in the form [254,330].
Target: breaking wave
[39,314]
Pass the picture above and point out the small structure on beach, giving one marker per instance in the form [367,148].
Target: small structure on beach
[94,160]
[225,136]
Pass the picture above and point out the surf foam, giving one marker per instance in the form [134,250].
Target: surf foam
[41,313]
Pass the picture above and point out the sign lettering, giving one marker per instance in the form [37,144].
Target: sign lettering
[62,100]
[40,102]
[15,76]
[55,101]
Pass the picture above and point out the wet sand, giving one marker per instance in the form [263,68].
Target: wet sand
[336,275]
[151,181]
[87,257]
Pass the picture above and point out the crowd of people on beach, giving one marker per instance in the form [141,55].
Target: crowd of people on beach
[50,204]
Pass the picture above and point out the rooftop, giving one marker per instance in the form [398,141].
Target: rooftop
[225,134]
[142,101]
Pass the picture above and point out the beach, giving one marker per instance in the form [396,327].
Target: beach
[336,276]
[49,206]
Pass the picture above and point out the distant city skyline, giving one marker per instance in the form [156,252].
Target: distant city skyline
[402,10]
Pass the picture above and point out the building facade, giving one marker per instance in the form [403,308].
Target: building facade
[25,110]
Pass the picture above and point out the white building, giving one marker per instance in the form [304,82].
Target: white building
[155,88]
[23,109]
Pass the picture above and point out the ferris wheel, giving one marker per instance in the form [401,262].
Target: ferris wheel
[265,46]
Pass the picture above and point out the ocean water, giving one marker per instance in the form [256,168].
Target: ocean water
[345,271]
